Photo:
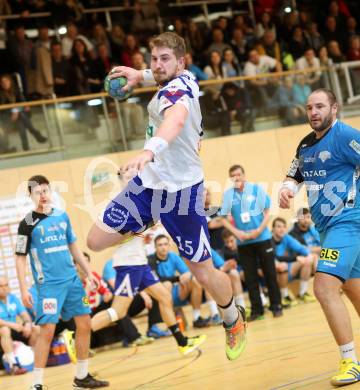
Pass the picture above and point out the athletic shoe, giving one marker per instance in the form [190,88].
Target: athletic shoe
[307,298]
[142,340]
[349,372]
[16,369]
[89,382]
[192,344]
[255,317]
[236,336]
[215,320]
[201,323]
[155,332]
[289,302]
[277,313]
[36,387]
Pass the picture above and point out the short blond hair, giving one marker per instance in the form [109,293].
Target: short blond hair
[170,40]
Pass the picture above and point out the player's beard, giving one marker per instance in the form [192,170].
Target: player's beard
[161,78]
[325,124]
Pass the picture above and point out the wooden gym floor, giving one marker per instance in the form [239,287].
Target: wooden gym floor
[293,352]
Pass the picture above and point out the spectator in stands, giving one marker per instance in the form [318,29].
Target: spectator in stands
[103,62]
[21,55]
[145,19]
[287,27]
[44,82]
[292,260]
[307,61]
[261,89]
[236,101]
[18,118]
[117,38]
[332,32]
[334,11]
[291,113]
[241,22]
[264,24]
[297,43]
[351,27]
[99,36]
[67,41]
[353,53]
[230,65]
[131,46]
[313,38]
[60,71]
[215,115]
[214,221]
[301,91]
[335,52]
[138,62]
[217,42]
[177,278]
[83,75]
[214,70]
[196,39]
[10,329]
[195,70]
[249,206]
[239,45]
[68,11]
[223,23]
[326,62]
[269,46]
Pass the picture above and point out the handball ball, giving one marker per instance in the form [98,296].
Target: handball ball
[114,87]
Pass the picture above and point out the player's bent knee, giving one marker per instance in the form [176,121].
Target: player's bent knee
[93,244]
[113,314]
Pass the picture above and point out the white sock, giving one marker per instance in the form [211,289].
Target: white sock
[304,285]
[347,351]
[81,369]
[196,314]
[263,299]
[230,314]
[38,375]
[240,300]
[213,308]
[10,358]
[284,292]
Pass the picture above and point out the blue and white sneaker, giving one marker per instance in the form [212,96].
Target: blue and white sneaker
[157,333]
[215,320]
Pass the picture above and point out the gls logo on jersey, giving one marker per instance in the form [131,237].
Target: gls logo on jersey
[49,306]
[314,173]
[329,254]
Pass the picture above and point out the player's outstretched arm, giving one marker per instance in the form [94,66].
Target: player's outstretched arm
[288,190]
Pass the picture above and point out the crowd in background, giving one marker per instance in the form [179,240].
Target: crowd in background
[76,61]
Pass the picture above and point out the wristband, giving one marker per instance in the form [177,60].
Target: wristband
[156,145]
[148,75]
[292,186]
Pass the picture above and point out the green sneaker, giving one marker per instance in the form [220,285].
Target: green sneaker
[236,336]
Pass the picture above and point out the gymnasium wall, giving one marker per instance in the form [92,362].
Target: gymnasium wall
[87,184]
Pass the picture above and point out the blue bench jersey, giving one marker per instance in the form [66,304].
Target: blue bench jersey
[330,169]
[46,239]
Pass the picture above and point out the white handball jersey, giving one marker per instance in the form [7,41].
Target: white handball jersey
[131,252]
[179,165]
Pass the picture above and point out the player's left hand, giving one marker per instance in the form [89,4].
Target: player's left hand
[252,234]
[137,163]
